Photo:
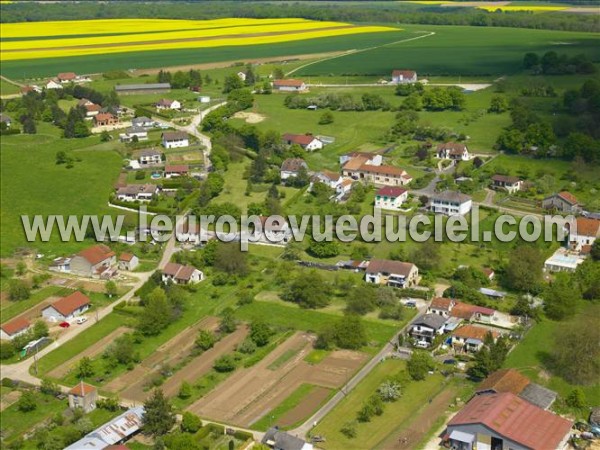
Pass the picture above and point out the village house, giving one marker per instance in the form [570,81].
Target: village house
[128,261]
[505,421]
[344,188]
[83,396]
[441,306]
[105,119]
[307,141]
[280,440]
[583,235]
[473,313]
[115,431]
[291,167]
[511,380]
[175,139]
[241,76]
[134,134]
[67,308]
[327,177]
[138,89]
[167,104]
[30,88]
[404,76]
[564,202]
[191,233]
[180,274]
[427,327]
[14,328]
[5,120]
[454,151]
[373,159]
[470,338]
[53,84]
[289,85]
[392,273]
[382,175]
[150,157]
[450,203]
[142,122]
[173,171]
[137,192]
[94,261]
[507,183]
[66,77]
[489,273]
[390,198]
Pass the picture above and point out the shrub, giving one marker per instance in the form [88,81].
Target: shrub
[225,363]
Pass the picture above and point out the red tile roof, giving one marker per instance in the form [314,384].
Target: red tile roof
[404,73]
[288,83]
[389,191]
[568,197]
[15,326]
[505,380]
[474,332]
[82,389]
[588,227]
[442,303]
[515,419]
[96,254]
[70,303]
[505,179]
[126,257]
[177,169]
[384,170]
[93,107]
[300,139]
[102,117]
[293,165]
[179,271]
[66,76]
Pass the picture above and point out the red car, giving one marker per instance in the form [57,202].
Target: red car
[64,324]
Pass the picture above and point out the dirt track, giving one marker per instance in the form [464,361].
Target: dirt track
[131,385]
[90,352]
[251,393]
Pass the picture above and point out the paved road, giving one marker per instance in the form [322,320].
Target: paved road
[389,348]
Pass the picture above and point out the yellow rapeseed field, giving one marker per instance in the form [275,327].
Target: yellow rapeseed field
[148,34]
[523,8]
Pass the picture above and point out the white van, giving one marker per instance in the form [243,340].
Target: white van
[81,320]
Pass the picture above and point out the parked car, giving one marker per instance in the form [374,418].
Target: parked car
[81,320]
[422,344]
[411,304]
[450,361]
[64,324]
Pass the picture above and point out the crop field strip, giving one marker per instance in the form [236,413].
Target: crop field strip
[189,34]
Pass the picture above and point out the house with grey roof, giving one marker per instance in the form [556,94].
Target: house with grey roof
[450,203]
[280,440]
[427,327]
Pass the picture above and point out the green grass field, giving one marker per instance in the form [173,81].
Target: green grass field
[457,50]
[32,183]
[7,88]
[369,434]
[12,309]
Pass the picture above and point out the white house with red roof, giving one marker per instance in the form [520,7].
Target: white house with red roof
[83,396]
[390,197]
[289,85]
[14,328]
[307,141]
[327,177]
[291,167]
[564,202]
[128,261]
[404,76]
[96,261]
[506,421]
[67,308]
[180,274]
[584,233]
[453,150]
[392,273]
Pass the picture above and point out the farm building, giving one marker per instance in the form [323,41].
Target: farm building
[128,261]
[93,261]
[175,139]
[280,440]
[404,76]
[562,202]
[53,84]
[14,328]
[116,431]
[67,307]
[149,88]
[180,274]
[506,421]
[83,396]
[390,198]
[392,273]
[289,85]
[307,141]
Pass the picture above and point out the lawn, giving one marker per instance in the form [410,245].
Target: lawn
[294,317]
[414,395]
[457,50]
[7,88]
[528,357]
[51,188]
[280,410]
[12,309]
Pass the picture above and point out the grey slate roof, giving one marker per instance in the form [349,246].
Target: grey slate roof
[538,395]
[282,440]
[451,196]
[434,321]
